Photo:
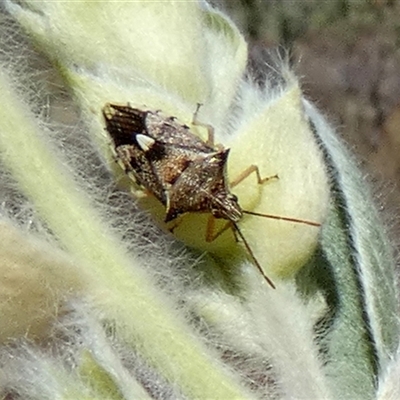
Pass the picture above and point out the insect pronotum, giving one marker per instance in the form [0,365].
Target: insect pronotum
[185,173]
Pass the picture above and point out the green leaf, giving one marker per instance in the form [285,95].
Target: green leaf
[355,270]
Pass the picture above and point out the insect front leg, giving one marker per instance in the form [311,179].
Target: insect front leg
[211,235]
[247,172]
[173,224]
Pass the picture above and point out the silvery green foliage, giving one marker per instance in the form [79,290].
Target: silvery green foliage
[102,304]
[357,274]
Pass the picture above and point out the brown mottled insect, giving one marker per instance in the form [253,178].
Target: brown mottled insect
[182,171]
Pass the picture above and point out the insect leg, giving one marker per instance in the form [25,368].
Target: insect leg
[254,168]
[248,171]
[174,224]
[211,235]
[210,128]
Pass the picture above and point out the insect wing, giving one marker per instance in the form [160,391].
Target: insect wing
[168,131]
[124,125]
[154,148]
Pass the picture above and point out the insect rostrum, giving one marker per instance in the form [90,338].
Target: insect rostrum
[171,163]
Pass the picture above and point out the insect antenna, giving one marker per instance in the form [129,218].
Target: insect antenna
[255,261]
[270,216]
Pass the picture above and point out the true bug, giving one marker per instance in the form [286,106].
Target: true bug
[185,173]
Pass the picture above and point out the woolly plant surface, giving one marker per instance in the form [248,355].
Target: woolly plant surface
[100,300]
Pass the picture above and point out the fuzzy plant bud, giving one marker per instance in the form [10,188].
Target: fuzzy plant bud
[143,315]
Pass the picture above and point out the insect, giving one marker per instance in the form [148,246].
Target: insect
[185,173]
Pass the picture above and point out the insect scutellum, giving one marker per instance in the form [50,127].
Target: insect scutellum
[185,173]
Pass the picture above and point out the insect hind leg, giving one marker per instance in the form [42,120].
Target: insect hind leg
[250,170]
